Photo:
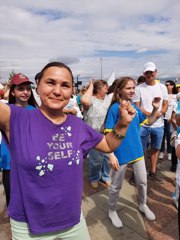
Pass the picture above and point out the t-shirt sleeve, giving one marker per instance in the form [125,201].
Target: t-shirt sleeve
[142,116]
[111,118]
[92,138]
[19,124]
[137,95]
[164,91]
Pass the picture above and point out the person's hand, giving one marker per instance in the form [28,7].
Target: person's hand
[91,82]
[156,102]
[113,162]
[127,113]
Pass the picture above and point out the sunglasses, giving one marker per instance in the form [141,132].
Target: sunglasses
[168,84]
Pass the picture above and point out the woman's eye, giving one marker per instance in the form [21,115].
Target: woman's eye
[66,85]
[50,83]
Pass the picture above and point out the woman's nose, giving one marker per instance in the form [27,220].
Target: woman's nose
[26,91]
[57,90]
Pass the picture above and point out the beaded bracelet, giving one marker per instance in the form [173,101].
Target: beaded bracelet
[119,136]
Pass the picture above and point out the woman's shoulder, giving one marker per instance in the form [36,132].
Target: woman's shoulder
[74,119]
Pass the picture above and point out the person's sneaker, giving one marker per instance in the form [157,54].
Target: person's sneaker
[132,180]
[175,199]
[155,177]
[161,155]
[94,184]
[105,183]
[116,221]
[147,212]
[169,156]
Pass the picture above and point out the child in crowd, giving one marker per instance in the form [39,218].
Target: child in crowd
[131,150]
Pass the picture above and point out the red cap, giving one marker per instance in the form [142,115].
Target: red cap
[19,78]
[1,92]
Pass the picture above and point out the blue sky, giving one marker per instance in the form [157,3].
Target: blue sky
[124,34]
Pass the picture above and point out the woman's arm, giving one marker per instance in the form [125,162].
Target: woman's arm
[86,97]
[113,139]
[173,120]
[5,118]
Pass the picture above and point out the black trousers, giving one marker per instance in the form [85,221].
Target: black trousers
[6,183]
[174,157]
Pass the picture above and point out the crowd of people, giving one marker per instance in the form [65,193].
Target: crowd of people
[43,145]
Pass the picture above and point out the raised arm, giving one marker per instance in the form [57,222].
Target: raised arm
[86,97]
[5,118]
[113,139]
[152,117]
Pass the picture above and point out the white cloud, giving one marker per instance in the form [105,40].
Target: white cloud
[35,32]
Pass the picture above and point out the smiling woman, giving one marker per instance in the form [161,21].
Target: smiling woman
[21,95]
[55,85]
[52,146]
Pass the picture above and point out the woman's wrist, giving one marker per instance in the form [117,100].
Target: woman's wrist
[118,135]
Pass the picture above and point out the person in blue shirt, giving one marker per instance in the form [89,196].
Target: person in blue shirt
[130,150]
[20,94]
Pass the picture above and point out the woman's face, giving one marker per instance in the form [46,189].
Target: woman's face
[127,92]
[22,93]
[103,91]
[169,87]
[55,88]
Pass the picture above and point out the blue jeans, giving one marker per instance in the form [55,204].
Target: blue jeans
[154,135]
[98,166]
[167,136]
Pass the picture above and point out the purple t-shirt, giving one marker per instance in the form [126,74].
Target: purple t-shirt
[47,169]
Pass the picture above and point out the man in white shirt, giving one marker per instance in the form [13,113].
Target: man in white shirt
[144,95]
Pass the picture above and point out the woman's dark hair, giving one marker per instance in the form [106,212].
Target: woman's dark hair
[31,100]
[141,79]
[172,83]
[40,74]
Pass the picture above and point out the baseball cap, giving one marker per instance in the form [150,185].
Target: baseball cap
[19,78]
[1,92]
[149,66]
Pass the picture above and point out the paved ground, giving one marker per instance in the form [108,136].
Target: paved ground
[136,227]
